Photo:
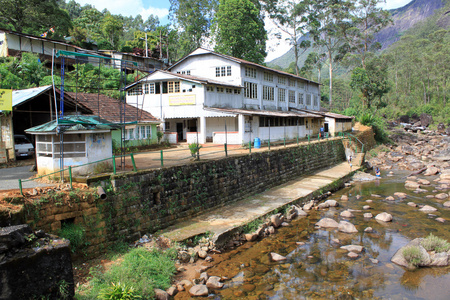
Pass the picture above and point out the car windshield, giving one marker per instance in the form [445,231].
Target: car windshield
[21,140]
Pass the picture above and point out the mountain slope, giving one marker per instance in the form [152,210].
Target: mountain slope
[403,19]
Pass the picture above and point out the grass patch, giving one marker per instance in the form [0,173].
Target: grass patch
[141,271]
[75,234]
[252,226]
[434,243]
[413,255]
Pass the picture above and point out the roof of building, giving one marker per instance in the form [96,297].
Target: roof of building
[275,113]
[74,124]
[197,79]
[238,60]
[34,37]
[20,97]
[109,108]
[325,114]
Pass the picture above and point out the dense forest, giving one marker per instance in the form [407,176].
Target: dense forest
[408,77]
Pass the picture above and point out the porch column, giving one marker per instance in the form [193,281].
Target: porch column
[241,127]
[202,135]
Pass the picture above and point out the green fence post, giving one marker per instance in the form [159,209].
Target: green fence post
[268,143]
[162,159]
[309,137]
[20,186]
[250,147]
[70,177]
[226,150]
[318,137]
[284,142]
[362,148]
[132,161]
[114,164]
[297,140]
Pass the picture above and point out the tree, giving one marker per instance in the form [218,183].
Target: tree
[239,30]
[112,28]
[34,16]
[367,19]
[372,81]
[291,18]
[330,20]
[193,19]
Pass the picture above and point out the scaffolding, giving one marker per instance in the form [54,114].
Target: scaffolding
[73,60]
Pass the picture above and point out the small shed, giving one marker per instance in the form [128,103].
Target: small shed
[75,141]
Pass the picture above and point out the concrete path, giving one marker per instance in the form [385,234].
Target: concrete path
[9,178]
[224,219]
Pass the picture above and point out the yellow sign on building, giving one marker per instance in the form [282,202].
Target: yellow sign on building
[182,100]
[5,99]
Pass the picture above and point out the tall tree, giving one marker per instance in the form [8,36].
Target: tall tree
[112,28]
[367,19]
[34,16]
[330,20]
[193,19]
[291,18]
[239,30]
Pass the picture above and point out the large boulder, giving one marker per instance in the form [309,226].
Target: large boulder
[347,214]
[332,203]
[353,248]
[428,208]
[441,196]
[430,171]
[161,295]
[347,227]
[198,290]
[425,119]
[384,216]
[214,282]
[275,220]
[277,257]
[327,223]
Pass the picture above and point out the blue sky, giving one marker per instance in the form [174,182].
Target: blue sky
[161,7]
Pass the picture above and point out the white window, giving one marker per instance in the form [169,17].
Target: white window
[281,95]
[44,145]
[152,88]
[237,91]
[281,80]
[220,89]
[268,76]
[148,132]
[301,84]
[308,99]
[229,91]
[250,72]
[291,82]
[74,145]
[251,90]
[137,90]
[223,71]
[300,98]
[167,126]
[268,93]
[173,86]
[316,100]
[146,88]
[209,88]
[291,96]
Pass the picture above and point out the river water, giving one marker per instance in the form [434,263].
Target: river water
[319,269]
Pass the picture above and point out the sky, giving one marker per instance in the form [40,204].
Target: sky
[160,8]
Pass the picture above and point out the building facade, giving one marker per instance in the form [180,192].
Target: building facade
[210,97]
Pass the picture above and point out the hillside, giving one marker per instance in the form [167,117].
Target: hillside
[403,18]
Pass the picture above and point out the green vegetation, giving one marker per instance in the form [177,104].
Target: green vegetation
[75,234]
[434,243]
[194,148]
[118,291]
[413,255]
[138,273]
[252,226]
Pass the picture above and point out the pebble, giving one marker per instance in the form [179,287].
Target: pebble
[352,255]
[374,260]
[412,204]
[368,229]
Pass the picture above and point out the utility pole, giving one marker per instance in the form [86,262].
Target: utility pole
[146,45]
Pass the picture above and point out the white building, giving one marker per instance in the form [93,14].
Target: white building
[219,98]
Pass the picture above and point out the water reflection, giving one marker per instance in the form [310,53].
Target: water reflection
[320,269]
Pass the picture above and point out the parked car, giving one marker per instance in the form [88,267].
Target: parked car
[23,147]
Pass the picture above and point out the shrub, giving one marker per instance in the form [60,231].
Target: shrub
[434,243]
[141,269]
[413,255]
[118,292]
[194,148]
[75,234]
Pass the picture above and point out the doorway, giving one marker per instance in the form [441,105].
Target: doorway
[180,132]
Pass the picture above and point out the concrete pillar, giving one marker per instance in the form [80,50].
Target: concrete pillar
[241,128]
[202,135]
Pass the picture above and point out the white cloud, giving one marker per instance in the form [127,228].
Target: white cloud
[160,12]
[391,4]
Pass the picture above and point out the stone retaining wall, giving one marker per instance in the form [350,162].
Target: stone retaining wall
[147,201]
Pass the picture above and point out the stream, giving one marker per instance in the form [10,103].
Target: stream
[319,269]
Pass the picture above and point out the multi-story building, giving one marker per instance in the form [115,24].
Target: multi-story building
[218,98]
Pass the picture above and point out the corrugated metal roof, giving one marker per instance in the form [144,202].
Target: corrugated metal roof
[20,96]
[74,124]
[263,112]
[325,114]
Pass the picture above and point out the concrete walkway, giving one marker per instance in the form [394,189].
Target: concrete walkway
[224,219]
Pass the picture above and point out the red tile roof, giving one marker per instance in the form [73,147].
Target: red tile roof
[109,108]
